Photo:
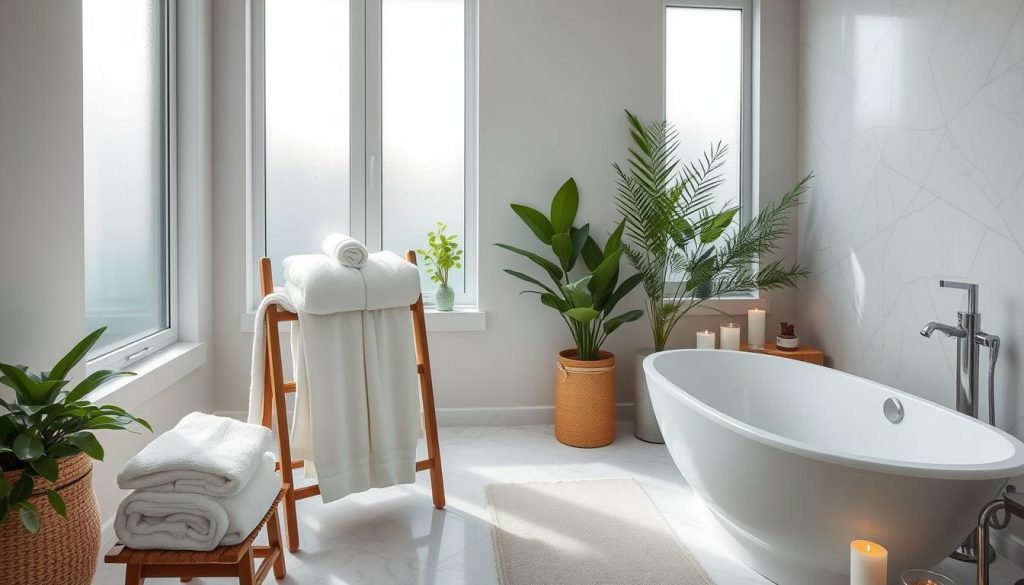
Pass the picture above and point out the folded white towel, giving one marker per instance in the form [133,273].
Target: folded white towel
[348,251]
[202,454]
[318,285]
[189,521]
[391,281]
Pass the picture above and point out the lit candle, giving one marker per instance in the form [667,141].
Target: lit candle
[755,328]
[705,339]
[730,336]
[868,563]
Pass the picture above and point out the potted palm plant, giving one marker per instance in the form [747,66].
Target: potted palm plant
[685,250]
[49,518]
[442,254]
[584,298]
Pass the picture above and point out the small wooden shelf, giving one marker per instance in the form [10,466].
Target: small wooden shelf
[804,353]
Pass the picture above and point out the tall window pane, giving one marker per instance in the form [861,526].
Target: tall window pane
[307,124]
[703,85]
[126,169]
[424,122]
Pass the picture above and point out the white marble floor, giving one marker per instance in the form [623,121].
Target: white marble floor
[394,536]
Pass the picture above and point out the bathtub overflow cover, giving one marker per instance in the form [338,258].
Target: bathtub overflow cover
[892,408]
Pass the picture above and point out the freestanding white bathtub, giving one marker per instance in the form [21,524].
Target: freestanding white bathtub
[796,460]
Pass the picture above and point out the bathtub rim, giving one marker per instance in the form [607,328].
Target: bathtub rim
[1002,469]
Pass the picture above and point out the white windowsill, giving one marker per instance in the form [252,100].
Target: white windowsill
[459,319]
[153,375]
[730,306]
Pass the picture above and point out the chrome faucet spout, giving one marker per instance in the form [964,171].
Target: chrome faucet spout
[947,330]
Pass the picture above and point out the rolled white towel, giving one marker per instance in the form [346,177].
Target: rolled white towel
[202,454]
[187,521]
[346,250]
[391,281]
[317,285]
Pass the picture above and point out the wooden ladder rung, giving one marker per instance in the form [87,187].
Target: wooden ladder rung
[307,492]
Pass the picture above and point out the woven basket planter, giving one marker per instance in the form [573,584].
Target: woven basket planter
[63,551]
[585,400]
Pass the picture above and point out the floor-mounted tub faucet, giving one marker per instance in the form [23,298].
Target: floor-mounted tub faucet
[969,338]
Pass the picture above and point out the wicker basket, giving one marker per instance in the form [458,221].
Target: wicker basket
[585,400]
[64,551]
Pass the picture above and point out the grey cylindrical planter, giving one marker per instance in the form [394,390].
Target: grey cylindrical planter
[645,424]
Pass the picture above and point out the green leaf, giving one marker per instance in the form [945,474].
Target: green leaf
[550,267]
[614,242]
[536,221]
[88,444]
[5,486]
[29,517]
[624,289]
[45,467]
[92,382]
[592,254]
[22,489]
[716,225]
[554,302]
[57,503]
[66,363]
[605,274]
[564,206]
[529,279]
[615,322]
[561,243]
[579,239]
[28,446]
[577,294]
[582,314]
[17,379]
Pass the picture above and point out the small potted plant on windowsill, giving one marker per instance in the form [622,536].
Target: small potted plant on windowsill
[585,381]
[672,228]
[49,518]
[442,254]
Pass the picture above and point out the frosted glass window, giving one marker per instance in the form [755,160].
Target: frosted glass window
[703,87]
[125,133]
[423,123]
[306,65]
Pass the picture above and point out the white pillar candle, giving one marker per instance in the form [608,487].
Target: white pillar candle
[730,336]
[868,563]
[755,328]
[705,339]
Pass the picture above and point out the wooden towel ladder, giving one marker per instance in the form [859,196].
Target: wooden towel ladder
[274,411]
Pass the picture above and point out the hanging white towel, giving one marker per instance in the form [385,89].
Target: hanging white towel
[189,521]
[202,454]
[357,410]
[346,250]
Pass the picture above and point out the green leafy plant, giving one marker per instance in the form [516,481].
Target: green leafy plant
[686,251]
[46,422]
[586,302]
[442,254]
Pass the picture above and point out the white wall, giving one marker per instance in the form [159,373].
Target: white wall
[913,119]
[41,209]
[554,79]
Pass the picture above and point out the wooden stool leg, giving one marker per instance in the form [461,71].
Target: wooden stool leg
[247,569]
[133,575]
[274,537]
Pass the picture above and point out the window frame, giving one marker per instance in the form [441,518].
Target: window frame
[365,142]
[139,349]
[747,151]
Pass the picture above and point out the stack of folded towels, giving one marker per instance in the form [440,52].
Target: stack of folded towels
[207,482]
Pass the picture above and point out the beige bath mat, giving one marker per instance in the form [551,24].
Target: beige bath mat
[584,533]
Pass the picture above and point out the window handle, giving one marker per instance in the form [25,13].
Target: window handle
[373,165]
[132,356]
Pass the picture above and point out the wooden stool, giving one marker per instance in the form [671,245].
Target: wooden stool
[225,561]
